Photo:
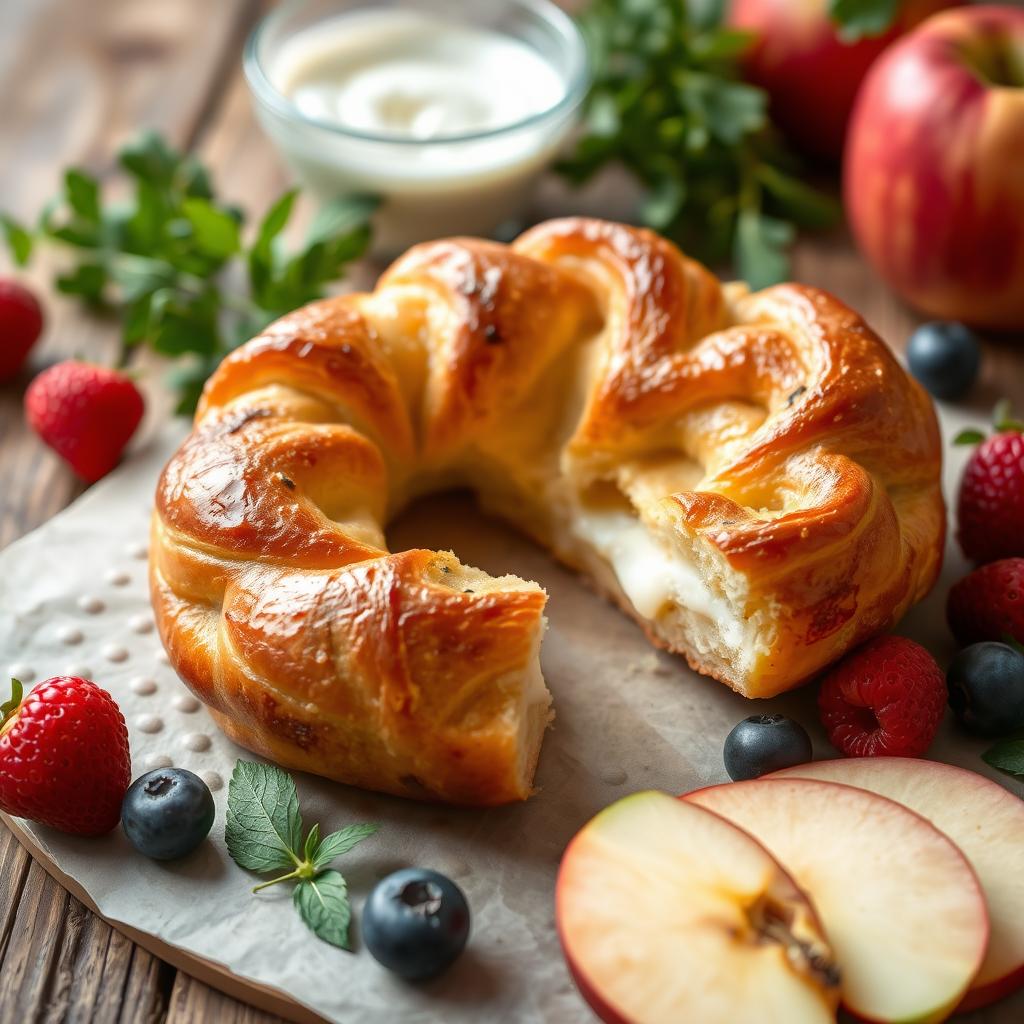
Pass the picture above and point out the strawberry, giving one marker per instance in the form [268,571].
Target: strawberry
[886,698]
[989,603]
[990,509]
[64,759]
[21,323]
[85,413]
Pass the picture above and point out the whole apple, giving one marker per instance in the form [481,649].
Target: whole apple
[811,75]
[934,167]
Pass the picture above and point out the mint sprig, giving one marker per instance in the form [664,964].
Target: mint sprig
[264,833]
[173,262]
[668,103]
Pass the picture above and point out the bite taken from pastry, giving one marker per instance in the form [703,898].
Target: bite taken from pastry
[752,477]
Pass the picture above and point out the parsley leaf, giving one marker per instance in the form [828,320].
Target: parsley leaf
[165,260]
[668,103]
[264,833]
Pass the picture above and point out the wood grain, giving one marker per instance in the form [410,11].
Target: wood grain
[78,78]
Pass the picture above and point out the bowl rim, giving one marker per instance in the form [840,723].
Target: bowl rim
[576,84]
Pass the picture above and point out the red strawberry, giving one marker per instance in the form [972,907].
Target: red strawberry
[85,413]
[886,698]
[989,603]
[990,510]
[21,323]
[64,759]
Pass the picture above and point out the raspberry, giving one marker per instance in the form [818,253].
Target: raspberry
[886,698]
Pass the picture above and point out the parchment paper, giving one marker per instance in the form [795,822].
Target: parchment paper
[627,719]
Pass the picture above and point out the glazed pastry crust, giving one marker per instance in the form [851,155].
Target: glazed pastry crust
[589,382]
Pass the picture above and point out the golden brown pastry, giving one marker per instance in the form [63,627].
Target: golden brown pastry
[752,477]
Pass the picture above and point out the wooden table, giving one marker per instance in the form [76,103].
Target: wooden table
[79,78]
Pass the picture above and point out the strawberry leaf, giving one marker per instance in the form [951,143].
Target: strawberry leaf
[10,707]
[969,436]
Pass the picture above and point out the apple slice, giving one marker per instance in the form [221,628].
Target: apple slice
[983,819]
[668,913]
[900,904]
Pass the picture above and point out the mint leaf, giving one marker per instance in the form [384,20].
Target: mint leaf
[969,436]
[264,827]
[859,18]
[340,842]
[340,217]
[264,833]
[322,902]
[312,842]
[1007,756]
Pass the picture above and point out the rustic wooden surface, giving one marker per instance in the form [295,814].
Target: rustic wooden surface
[77,80]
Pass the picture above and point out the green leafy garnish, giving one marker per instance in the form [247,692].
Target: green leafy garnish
[264,833]
[859,18]
[669,104]
[173,261]
[1007,756]
[969,436]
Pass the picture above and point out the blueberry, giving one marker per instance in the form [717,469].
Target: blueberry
[986,688]
[765,743]
[945,358]
[415,922]
[167,813]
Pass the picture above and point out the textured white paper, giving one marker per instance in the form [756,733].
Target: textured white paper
[627,719]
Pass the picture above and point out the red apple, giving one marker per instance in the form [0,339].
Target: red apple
[982,818]
[811,75]
[934,168]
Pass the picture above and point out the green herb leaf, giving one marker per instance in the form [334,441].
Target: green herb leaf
[216,231]
[164,260]
[87,280]
[340,842]
[761,244]
[264,833]
[83,194]
[669,103]
[1007,756]
[19,241]
[312,842]
[859,18]
[322,902]
[969,436]
[799,201]
[10,706]
[264,827]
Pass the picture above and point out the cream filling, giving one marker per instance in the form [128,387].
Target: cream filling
[652,577]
